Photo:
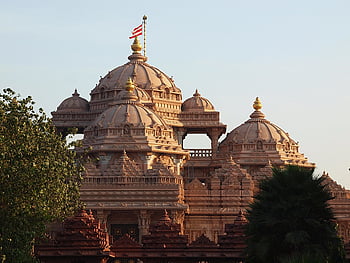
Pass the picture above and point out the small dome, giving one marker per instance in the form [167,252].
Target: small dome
[74,104]
[257,128]
[259,141]
[197,103]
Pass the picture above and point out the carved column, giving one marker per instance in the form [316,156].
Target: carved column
[102,215]
[180,135]
[214,137]
[178,217]
[148,161]
[178,162]
[144,221]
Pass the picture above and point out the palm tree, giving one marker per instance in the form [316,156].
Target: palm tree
[291,220]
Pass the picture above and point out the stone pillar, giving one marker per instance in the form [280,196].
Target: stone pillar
[178,217]
[148,162]
[180,135]
[102,215]
[214,137]
[144,218]
[178,162]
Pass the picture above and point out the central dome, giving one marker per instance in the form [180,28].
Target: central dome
[143,75]
[130,125]
[163,96]
[128,111]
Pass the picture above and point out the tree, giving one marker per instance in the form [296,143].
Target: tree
[39,176]
[291,220]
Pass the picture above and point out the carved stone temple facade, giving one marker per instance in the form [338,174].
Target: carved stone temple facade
[135,123]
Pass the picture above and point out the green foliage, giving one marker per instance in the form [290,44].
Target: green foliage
[291,220]
[39,176]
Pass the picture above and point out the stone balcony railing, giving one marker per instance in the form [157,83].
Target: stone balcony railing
[200,153]
[122,180]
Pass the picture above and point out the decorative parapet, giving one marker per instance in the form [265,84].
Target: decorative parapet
[165,234]
[200,153]
[123,180]
[235,234]
[82,236]
[125,242]
[203,242]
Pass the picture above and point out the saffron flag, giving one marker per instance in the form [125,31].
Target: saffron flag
[137,31]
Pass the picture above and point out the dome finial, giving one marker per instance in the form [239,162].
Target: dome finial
[136,46]
[75,93]
[257,114]
[196,94]
[257,104]
[128,94]
[129,85]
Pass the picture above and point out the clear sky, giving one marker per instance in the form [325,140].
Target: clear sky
[294,55]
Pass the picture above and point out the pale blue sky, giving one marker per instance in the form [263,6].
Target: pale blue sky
[294,55]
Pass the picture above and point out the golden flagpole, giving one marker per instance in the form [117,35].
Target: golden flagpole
[144,34]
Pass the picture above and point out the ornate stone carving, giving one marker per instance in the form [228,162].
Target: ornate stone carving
[125,242]
[203,242]
[138,109]
[165,234]
[82,237]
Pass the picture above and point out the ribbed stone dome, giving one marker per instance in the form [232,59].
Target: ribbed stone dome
[259,141]
[197,103]
[257,128]
[128,112]
[159,91]
[143,75]
[130,125]
[74,104]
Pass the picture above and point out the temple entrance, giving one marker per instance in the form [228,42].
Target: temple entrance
[119,230]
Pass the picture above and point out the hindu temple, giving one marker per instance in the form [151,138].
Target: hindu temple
[147,197]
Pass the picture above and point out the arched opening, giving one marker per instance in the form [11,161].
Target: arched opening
[197,141]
